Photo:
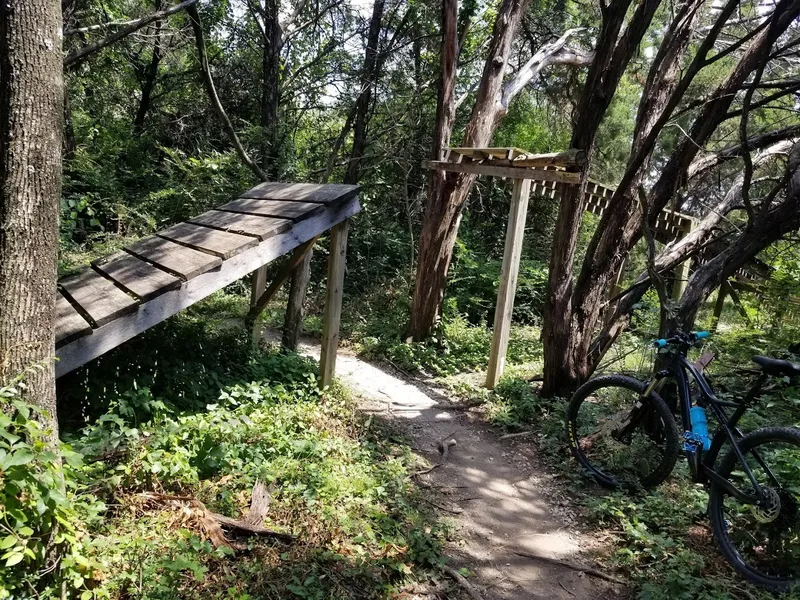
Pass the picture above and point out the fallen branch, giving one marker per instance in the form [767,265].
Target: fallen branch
[570,565]
[248,528]
[210,521]
[510,436]
[462,581]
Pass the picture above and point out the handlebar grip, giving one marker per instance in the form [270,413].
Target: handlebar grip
[660,343]
[700,335]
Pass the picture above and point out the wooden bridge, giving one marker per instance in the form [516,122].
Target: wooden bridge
[122,295]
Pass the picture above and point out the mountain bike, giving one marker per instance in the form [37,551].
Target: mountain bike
[625,435]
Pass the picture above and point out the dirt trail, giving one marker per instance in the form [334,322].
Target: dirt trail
[496,490]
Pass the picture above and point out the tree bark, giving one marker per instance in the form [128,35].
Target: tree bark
[563,365]
[571,322]
[369,77]
[149,83]
[271,88]
[31,121]
[448,192]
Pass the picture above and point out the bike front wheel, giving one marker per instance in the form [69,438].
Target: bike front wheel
[621,438]
[762,542]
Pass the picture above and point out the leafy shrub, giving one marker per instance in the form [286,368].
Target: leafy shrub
[44,507]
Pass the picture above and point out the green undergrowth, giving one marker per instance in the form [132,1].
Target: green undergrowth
[129,523]
[660,540]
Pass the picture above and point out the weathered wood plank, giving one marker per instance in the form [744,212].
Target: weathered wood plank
[82,350]
[333,304]
[179,260]
[510,172]
[257,226]
[70,325]
[136,276]
[282,209]
[515,232]
[97,297]
[326,193]
[219,243]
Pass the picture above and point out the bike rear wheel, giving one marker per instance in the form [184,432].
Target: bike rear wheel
[762,542]
[620,438]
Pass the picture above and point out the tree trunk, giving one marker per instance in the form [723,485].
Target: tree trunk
[270,89]
[369,77]
[31,121]
[448,192]
[150,77]
[563,366]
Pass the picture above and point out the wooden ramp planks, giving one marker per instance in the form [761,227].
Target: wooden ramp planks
[282,209]
[262,228]
[130,291]
[303,192]
[136,276]
[180,260]
[70,325]
[97,297]
[213,241]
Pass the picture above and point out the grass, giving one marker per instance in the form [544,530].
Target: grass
[189,410]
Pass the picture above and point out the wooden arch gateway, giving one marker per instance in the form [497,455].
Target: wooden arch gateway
[124,294]
[545,175]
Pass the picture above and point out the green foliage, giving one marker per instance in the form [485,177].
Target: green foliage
[45,508]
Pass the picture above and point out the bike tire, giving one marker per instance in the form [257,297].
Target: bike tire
[719,522]
[662,412]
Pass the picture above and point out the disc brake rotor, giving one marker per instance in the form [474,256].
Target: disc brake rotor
[769,509]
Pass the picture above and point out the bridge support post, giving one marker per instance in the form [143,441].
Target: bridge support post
[333,303]
[515,232]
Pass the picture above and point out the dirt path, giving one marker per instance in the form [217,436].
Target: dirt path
[496,490]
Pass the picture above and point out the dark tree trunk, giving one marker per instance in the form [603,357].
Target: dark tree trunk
[150,78]
[270,89]
[563,367]
[448,192]
[571,321]
[369,77]
[31,121]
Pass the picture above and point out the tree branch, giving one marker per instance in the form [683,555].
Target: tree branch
[548,54]
[208,82]
[76,57]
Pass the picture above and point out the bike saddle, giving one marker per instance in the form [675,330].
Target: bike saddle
[773,366]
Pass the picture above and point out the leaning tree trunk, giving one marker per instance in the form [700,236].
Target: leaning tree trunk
[447,195]
[31,120]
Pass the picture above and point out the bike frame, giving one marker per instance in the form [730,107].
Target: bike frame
[701,463]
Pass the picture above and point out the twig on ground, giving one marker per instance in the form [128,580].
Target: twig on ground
[571,593]
[510,436]
[455,511]
[462,581]
[570,565]
[426,471]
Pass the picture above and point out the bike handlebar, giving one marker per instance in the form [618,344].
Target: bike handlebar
[682,338]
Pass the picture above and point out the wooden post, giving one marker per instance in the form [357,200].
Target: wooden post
[293,319]
[333,303]
[258,284]
[508,280]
